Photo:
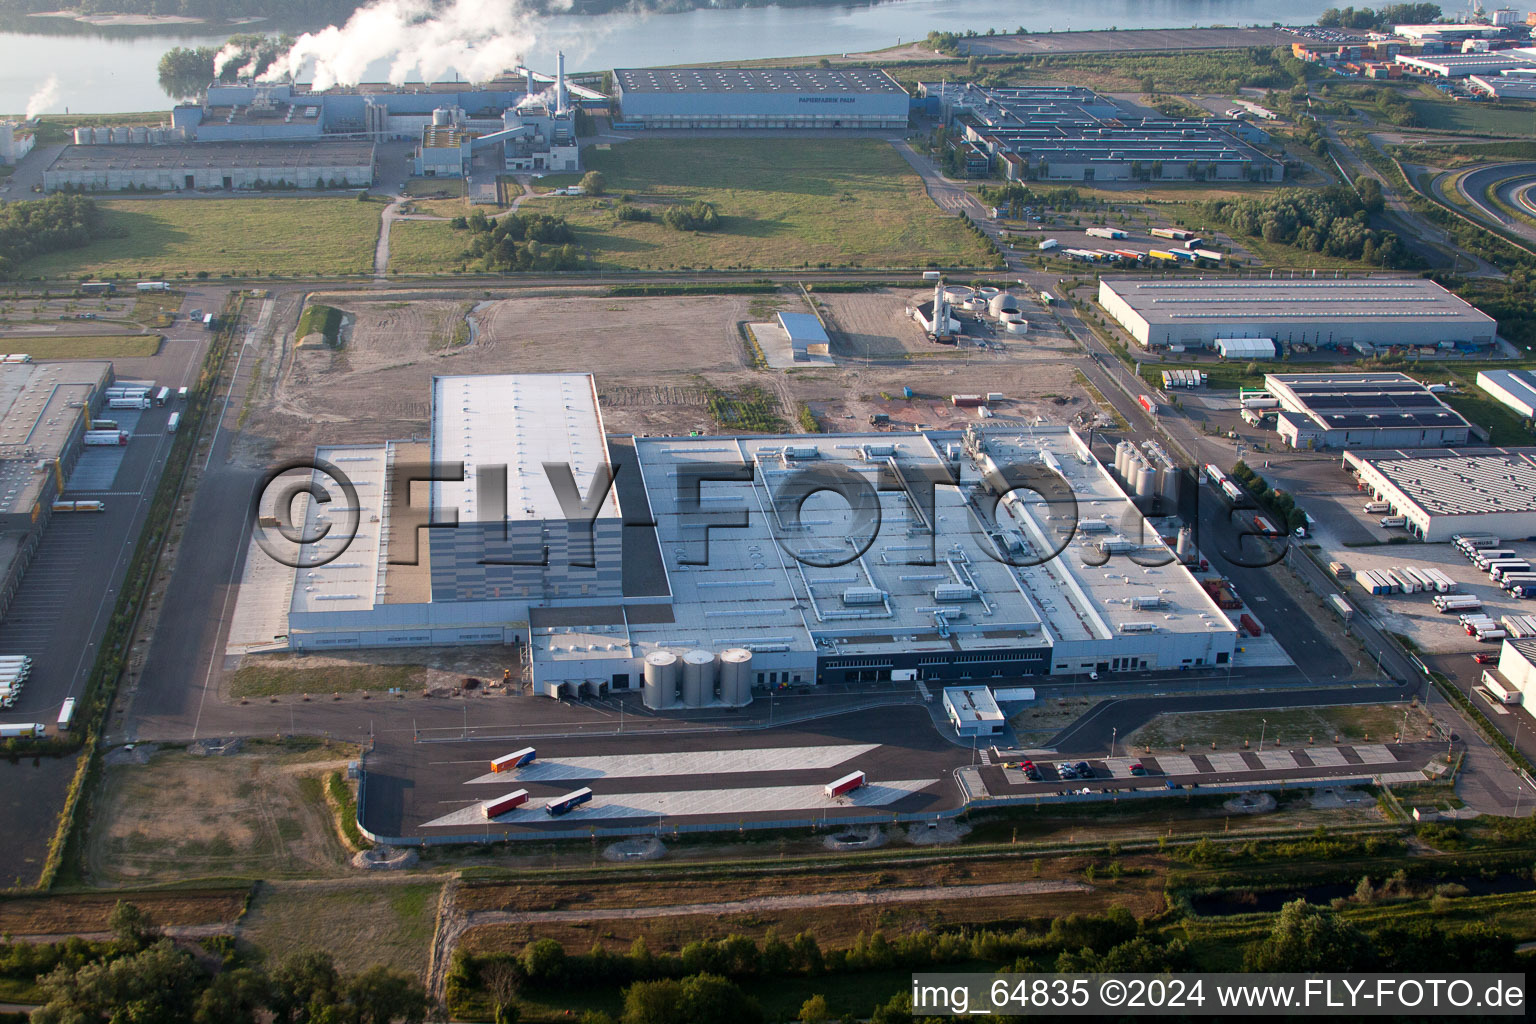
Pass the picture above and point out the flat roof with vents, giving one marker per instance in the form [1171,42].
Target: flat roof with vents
[1347,300]
[519,421]
[1456,482]
[40,406]
[1348,401]
[852,81]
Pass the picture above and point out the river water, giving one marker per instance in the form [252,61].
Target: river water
[113,70]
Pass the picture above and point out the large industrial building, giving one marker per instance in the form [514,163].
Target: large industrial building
[1463,65]
[718,559]
[1362,410]
[1069,133]
[759,98]
[214,165]
[45,409]
[1443,493]
[1364,313]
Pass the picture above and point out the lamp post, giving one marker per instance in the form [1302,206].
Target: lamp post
[1263,727]
[1113,732]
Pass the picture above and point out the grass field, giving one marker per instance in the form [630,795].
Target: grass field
[358,925]
[1446,115]
[167,238]
[90,346]
[806,204]
[1228,730]
[274,675]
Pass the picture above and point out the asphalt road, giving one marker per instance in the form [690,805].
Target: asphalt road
[1474,187]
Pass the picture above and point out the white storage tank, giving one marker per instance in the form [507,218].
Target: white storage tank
[661,676]
[1002,303]
[101,134]
[84,136]
[122,135]
[1146,481]
[442,117]
[988,292]
[698,678]
[138,134]
[736,676]
[1016,327]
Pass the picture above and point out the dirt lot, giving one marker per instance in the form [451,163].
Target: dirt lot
[179,816]
[658,362]
[88,912]
[1279,728]
[415,669]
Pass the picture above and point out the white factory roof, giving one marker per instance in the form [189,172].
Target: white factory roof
[972,705]
[520,421]
[352,579]
[1359,299]
[1458,482]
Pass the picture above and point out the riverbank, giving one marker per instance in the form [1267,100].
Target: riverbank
[138,20]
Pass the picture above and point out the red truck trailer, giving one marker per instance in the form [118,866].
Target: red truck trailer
[516,759]
[1251,625]
[567,803]
[846,784]
[1146,403]
[502,804]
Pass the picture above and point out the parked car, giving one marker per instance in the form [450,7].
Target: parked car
[1084,769]
[1138,769]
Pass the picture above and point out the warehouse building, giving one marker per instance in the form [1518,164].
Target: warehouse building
[1069,133]
[1517,668]
[1463,65]
[759,98]
[1513,388]
[1520,85]
[1443,493]
[1362,410]
[712,552]
[1364,313]
[45,409]
[212,165]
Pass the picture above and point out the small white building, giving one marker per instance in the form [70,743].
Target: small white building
[1517,666]
[1514,388]
[972,711]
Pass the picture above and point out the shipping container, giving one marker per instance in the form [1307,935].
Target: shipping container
[567,803]
[1177,234]
[846,784]
[66,714]
[502,804]
[967,401]
[1344,608]
[516,759]
[1105,232]
[1049,243]
[1250,624]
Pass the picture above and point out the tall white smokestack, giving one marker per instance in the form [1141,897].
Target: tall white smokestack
[560,103]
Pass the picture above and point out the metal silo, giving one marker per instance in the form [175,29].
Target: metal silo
[1146,481]
[1169,484]
[660,679]
[101,135]
[1186,546]
[736,676]
[1020,326]
[138,134]
[442,117]
[698,678]
[122,135]
[84,137]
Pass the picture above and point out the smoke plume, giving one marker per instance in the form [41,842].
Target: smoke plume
[43,97]
[477,38]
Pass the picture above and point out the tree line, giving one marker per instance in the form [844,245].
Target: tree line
[1332,220]
[184,71]
[1364,18]
[141,976]
[40,226]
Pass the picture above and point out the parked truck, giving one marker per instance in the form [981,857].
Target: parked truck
[22,730]
[128,403]
[1393,522]
[502,804]
[567,803]
[1105,232]
[1177,234]
[1374,507]
[1250,624]
[516,759]
[66,713]
[847,784]
[106,438]
[1343,607]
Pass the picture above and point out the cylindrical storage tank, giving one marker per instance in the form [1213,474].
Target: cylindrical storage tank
[698,678]
[442,117]
[101,135]
[1123,459]
[138,134]
[1169,485]
[988,292]
[122,135]
[660,679]
[736,676]
[1016,327]
[84,136]
[1002,303]
[1146,481]
[1186,546]
[958,293]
